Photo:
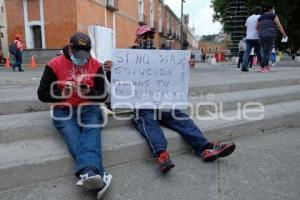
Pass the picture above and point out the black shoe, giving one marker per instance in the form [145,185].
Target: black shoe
[21,70]
[244,69]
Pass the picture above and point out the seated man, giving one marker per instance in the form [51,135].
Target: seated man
[149,126]
[71,82]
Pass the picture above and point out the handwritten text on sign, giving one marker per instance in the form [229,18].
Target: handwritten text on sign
[150,78]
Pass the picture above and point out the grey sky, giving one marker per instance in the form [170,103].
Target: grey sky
[200,15]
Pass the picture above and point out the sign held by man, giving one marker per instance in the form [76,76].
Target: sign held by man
[150,79]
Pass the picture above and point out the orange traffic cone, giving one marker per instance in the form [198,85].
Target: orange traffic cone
[7,63]
[33,63]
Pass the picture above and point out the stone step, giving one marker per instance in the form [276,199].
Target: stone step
[29,161]
[22,100]
[38,124]
[235,177]
[240,85]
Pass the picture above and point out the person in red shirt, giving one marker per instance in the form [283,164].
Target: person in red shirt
[18,53]
[71,82]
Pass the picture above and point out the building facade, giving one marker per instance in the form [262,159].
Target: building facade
[48,24]
[3,32]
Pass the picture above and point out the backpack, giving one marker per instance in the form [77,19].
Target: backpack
[13,48]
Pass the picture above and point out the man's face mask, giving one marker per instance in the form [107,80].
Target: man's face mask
[77,61]
[147,41]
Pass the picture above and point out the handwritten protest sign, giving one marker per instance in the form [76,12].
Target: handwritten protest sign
[150,78]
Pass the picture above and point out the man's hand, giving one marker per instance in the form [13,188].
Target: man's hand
[68,89]
[107,65]
[83,89]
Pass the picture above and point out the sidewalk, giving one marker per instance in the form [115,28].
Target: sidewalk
[203,74]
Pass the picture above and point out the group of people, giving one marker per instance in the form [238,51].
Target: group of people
[261,36]
[74,78]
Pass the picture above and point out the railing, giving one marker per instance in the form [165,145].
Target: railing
[112,5]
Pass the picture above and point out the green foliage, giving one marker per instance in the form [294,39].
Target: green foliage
[288,12]
[208,38]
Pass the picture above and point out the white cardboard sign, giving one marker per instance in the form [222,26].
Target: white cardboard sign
[150,79]
[102,42]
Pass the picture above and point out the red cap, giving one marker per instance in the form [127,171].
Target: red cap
[142,30]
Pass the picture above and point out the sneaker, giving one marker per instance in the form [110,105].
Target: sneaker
[217,150]
[245,69]
[268,68]
[263,70]
[21,70]
[107,180]
[165,163]
[90,179]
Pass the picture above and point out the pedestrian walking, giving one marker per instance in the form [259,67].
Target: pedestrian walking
[267,26]
[242,48]
[251,58]
[18,48]
[252,39]
[273,56]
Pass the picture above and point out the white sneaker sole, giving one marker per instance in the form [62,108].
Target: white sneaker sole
[107,179]
[91,183]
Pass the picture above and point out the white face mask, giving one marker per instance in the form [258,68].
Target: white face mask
[78,62]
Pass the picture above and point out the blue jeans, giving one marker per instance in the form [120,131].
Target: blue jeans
[257,49]
[18,60]
[241,55]
[84,143]
[149,128]
[273,57]
[267,45]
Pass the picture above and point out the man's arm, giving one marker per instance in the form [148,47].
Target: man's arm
[44,93]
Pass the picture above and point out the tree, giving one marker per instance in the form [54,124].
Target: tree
[287,11]
[208,38]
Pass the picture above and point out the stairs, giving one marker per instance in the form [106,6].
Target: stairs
[34,157]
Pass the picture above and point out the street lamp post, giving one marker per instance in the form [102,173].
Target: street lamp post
[181,25]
